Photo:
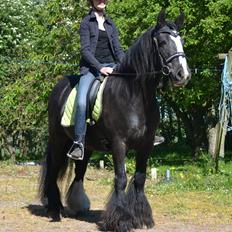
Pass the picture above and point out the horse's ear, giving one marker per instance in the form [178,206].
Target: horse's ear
[161,18]
[180,21]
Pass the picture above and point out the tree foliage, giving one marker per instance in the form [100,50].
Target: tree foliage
[39,40]
[53,48]
[14,31]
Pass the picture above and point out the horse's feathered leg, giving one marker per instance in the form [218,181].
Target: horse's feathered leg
[137,201]
[117,217]
[77,200]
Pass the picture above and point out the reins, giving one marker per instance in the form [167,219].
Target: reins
[115,73]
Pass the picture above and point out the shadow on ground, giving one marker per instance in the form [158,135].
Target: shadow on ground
[93,216]
[37,210]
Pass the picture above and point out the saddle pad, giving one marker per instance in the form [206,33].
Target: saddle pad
[68,118]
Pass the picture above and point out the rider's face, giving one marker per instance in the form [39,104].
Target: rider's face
[99,4]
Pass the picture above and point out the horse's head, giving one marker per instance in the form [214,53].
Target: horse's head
[170,49]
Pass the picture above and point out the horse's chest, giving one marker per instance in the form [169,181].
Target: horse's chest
[135,121]
[136,125]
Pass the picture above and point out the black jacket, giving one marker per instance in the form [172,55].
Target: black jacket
[89,36]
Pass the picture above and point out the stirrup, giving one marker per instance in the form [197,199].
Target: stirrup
[81,147]
[158,140]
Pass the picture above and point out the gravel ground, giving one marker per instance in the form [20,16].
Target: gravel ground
[32,218]
[21,211]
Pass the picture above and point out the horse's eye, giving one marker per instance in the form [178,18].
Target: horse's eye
[162,43]
[182,41]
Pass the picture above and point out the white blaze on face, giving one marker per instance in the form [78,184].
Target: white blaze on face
[182,59]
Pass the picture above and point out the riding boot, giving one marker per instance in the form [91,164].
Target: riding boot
[76,152]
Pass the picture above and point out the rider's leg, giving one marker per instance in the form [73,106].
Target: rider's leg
[77,150]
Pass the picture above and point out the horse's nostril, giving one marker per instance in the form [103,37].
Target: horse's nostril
[179,75]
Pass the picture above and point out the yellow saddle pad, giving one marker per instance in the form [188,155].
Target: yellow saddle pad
[68,118]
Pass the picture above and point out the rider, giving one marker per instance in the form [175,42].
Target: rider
[100,51]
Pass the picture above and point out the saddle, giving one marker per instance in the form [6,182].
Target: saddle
[94,101]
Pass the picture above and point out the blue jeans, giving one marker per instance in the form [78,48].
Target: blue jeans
[80,117]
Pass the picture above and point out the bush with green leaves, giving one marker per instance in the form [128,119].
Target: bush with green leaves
[53,49]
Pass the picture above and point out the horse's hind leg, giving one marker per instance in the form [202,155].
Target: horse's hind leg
[137,200]
[117,216]
[77,200]
[56,163]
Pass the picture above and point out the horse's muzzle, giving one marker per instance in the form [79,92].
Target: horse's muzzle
[180,77]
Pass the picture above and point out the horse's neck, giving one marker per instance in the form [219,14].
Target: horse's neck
[129,89]
[149,91]
[141,57]
[141,60]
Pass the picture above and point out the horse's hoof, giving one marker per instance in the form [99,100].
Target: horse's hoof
[55,217]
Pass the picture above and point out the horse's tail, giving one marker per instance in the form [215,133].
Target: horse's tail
[43,179]
[45,173]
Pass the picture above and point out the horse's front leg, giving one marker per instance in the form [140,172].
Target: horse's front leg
[137,200]
[117,217]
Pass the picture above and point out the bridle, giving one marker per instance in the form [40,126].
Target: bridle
[165,70]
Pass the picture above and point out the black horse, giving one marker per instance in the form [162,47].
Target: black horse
[129,119]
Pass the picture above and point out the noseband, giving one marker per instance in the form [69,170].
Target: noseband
[165,60]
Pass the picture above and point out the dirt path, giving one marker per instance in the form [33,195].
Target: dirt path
[21,211]
[32,218]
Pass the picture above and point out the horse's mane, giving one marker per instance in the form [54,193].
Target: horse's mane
[141,62]
[141,57]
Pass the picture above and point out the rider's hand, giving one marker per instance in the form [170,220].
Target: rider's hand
[106,70]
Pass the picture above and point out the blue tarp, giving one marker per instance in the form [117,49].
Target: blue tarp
[225,107]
